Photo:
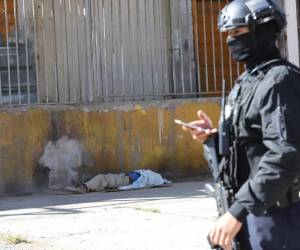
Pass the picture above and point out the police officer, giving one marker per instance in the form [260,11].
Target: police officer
[264,118]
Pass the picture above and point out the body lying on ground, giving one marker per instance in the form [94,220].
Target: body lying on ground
[136,179]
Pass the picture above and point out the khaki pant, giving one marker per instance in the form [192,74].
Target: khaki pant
[107,181]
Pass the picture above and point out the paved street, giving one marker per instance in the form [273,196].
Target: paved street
[176,217]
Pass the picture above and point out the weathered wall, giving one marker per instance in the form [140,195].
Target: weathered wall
[120,137]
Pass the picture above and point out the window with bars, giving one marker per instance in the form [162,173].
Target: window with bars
[61,51]
[17,77]
[84,51]
[213,57]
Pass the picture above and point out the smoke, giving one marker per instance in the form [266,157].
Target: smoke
[63,159]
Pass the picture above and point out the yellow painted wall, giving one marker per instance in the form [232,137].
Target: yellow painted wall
[118,137]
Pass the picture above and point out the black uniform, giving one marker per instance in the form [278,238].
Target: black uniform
[264,110]
[264,165]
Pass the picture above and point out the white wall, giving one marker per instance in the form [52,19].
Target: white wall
[292,11]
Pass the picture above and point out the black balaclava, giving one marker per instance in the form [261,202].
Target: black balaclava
[255,46]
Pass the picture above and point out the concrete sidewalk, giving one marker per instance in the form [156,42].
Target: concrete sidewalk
[176,217]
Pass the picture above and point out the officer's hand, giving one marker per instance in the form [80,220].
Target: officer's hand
[225,230]
[205,127]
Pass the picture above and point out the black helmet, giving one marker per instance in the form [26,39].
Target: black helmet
[251,13]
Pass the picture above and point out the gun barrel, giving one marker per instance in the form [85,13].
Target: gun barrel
[223,97]
[223,127]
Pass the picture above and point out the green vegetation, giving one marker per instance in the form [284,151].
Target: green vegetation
[15,239]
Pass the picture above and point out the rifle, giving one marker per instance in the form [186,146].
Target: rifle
[223,194]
